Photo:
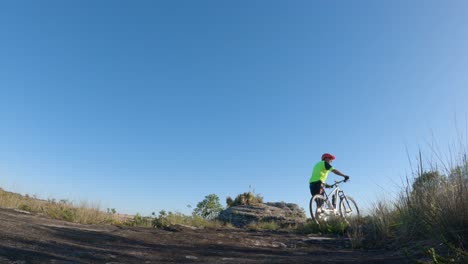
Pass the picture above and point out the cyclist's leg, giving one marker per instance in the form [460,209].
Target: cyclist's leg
[316,188]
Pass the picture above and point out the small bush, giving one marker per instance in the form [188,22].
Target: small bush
[209,208]
[161,220]
[229,201]
[247,198]
[25,207]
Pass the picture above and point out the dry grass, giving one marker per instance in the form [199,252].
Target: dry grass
[432,208]
[376,229]
[83,213]
[86,213]
[436,209]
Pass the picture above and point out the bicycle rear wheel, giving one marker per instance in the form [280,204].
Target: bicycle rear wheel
[348,208]
[317,212]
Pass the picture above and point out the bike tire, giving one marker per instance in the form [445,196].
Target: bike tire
[313,207]
[348,208]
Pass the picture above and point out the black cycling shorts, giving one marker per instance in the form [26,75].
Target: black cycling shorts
[315,187]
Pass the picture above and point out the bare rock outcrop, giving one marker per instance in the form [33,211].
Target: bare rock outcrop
[284,214]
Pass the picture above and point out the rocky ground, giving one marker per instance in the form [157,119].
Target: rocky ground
[26,238]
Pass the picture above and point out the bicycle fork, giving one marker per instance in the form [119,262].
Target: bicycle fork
[347,207]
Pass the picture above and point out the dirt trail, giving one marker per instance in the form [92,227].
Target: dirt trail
[34,239]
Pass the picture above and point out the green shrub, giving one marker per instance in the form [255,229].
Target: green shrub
[68,214]
[209,208]
[161,220]
[25,207]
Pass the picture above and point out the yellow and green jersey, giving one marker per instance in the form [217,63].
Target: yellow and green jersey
[320,172]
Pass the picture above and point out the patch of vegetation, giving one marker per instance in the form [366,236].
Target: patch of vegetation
[62,209]
[167,219]
[247,198]
[25,207]
[85,213]
[432,208]
[378,229]
[209,208]
[140,221]
[335,225]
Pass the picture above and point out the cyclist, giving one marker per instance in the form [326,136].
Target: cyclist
[320,173]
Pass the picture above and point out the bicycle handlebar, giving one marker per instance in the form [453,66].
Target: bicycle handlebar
[337,182]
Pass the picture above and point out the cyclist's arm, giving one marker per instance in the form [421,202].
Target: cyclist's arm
[337,172]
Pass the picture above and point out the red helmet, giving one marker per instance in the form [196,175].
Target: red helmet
[328,156]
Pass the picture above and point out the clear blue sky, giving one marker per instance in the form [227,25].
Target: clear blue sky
[150,105]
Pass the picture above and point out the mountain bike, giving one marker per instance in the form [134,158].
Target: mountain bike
[321,208]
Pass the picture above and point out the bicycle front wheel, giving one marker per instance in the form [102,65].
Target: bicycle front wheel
[348,208]
[316,207]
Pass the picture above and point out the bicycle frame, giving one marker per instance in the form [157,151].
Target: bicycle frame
[335,194]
